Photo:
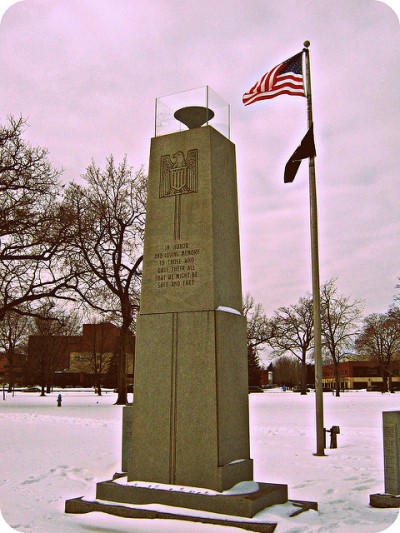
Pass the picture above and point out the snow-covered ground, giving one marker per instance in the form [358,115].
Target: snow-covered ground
[50,454]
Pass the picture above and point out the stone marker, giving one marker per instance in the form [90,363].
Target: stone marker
[190,411]
[391,451]
[391,448]
[126,436]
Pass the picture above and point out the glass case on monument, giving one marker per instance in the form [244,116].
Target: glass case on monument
[192,109]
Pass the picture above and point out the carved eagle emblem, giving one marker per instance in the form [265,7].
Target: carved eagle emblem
[178,175]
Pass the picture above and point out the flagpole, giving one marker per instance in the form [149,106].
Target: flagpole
[319,408]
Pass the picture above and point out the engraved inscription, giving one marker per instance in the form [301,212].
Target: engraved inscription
[176,266]
[178,176]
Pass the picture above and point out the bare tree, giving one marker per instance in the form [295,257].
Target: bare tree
[379,340]
[108,217]
[33,228]
[294,333]
[339,321]
[286,370]
[13,333]
[259,332]
[49,342]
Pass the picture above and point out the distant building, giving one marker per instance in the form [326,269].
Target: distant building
[354,374]
[73,359]
[357,375]
[19,363]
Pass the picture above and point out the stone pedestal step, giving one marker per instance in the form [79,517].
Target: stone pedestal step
[244,505]
[81,506]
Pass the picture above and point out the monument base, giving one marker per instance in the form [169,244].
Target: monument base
[246,504]
[384,501]
[81,506]
[121,498]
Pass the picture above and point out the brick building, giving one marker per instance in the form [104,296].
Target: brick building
[17,371]
[75,360]
[357,375]
[353,375]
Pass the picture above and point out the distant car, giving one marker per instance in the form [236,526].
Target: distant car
[297,388]
[255,389]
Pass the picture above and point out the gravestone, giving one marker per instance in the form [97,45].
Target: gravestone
[190,426]
[126,437]
[391,455]
[391,448]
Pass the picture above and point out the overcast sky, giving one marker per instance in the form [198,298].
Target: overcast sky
[86,73]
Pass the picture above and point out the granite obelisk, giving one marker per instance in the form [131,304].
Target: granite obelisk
[190,412]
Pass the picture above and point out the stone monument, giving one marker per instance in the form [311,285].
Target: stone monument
[191,372]
[190,423]
[391,455]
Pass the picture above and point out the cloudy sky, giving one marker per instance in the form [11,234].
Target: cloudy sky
[86,73]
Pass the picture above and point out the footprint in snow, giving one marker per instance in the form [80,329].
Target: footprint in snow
[75,473]
[33,480]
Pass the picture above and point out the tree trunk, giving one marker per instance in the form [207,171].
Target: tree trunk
[10,359]
[390,381]
[337,378]
[384,380]
[11,376]
[122,393]
[123,343]
[304,375]
[49,376]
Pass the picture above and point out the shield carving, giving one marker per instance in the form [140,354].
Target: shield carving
[178,176]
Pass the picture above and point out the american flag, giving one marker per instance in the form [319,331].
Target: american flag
[286,78]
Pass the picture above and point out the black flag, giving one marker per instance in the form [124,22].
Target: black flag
[306,149]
